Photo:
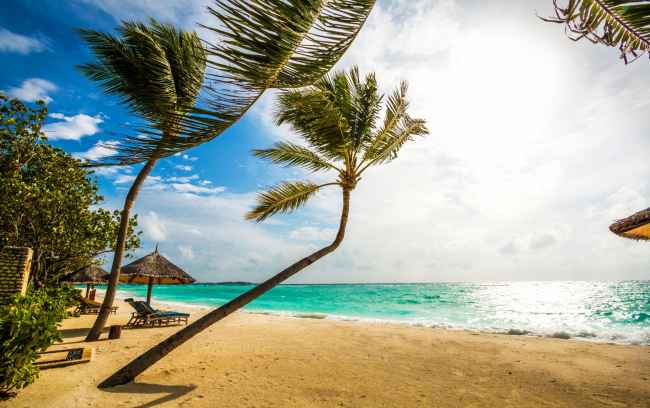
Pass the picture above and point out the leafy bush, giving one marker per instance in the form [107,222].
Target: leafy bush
[28,324]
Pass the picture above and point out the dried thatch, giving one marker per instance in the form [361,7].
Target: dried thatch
[90,274]
[154,268]
[636,226]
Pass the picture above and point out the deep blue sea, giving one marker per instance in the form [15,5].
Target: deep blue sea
[597,311]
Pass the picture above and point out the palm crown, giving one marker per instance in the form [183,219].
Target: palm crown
[156,70]
[338,117]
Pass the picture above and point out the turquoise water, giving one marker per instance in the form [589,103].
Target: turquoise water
[601,311]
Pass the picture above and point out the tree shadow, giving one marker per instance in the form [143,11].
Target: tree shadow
[83,331]
[173,391]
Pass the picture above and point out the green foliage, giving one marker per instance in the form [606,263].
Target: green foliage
[155,69]
[259,45]
[624,24]
[338,119]
[282,198]
[48,200]
[28,324]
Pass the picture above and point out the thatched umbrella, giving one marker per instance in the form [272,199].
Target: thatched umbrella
[89,275]
[636,226]
[154,268]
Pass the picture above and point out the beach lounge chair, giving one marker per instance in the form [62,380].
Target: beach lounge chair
[147,316]
[87,306]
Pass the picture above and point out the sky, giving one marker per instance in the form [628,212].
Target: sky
[537,144]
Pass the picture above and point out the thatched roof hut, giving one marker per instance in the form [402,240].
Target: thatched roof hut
[154,268]
[89,274]
[636,226]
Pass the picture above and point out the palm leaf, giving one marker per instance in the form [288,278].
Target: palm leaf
[314,114]
[262,44]
[291,154]
[397,129]
[283,198]
[624,24]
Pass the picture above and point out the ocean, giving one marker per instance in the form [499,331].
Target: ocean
[617,312]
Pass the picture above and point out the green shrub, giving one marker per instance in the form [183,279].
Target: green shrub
[28,324]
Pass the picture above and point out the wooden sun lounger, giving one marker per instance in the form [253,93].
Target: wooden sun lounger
[64,358]
[146,316]
[87,306]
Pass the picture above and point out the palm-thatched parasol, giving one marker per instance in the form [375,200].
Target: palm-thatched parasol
[636,226]
[154,268]
[89,275]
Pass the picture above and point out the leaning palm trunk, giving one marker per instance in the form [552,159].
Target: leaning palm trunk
[109,296]
[337,119]
[146,360]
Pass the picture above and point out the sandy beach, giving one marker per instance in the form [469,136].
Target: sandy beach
[257,360]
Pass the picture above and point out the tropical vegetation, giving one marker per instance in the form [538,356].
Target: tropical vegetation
[339,120]
[29,324]
[49,200]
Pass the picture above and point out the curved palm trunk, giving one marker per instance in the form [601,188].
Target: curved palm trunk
[122,233]
[150,357]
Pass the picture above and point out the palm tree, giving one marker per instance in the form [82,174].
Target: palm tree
[157,71]
[263,44]
[337,117]
[616,23]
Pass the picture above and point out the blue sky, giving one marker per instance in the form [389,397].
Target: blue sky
[537,145]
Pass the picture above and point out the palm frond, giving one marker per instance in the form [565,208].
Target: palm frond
[397,129]
[316,116]
[291,154]
[262,44]
[624,24]
[283,198]
[154,69]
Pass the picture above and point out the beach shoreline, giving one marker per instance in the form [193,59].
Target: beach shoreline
[253,359]
[621,335]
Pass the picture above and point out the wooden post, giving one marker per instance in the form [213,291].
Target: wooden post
[149,290]
[115,332]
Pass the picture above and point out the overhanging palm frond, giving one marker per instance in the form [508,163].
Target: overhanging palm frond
[291,154]
[624,24]
[261,44]
[283,198]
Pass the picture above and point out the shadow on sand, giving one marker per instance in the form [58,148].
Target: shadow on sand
[173,391]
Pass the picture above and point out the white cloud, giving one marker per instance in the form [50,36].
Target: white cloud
[72,127]
[191,188]
[33,89]
[214,225]
[124,179]
[21,44]
[181,179]
[188,157]
[313,234]
[186,251]
[153,226]
[183,167]
[533,152]
[99,151]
